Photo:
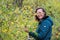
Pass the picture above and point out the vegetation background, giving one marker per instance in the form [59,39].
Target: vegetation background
[15,15]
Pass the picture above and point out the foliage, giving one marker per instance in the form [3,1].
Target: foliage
[13,19]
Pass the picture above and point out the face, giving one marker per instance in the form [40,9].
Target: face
[40,13]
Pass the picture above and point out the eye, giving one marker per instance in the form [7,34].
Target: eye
[39,12]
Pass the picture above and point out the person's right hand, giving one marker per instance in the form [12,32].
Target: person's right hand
[26,30]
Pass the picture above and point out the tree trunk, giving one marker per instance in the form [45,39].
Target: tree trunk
[18,3]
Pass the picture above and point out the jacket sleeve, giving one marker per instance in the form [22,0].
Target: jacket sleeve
[33,34]
[44,27]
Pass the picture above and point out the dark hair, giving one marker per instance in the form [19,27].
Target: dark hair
[36,18]
[36,15]
[42,10]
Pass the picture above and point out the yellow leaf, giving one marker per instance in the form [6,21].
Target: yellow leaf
[12,22]
[0,11]
[4,30]
[16,10]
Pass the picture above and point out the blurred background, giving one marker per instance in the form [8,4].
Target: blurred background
[15,15]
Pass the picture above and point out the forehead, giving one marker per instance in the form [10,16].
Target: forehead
[39,10]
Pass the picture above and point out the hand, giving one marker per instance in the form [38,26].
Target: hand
[26,30]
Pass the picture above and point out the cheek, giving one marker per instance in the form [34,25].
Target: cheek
[42,15]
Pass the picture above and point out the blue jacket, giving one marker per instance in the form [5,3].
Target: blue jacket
[44,30]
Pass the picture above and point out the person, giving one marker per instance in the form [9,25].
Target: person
[44,29]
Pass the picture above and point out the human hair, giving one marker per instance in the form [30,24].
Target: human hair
[42,10]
